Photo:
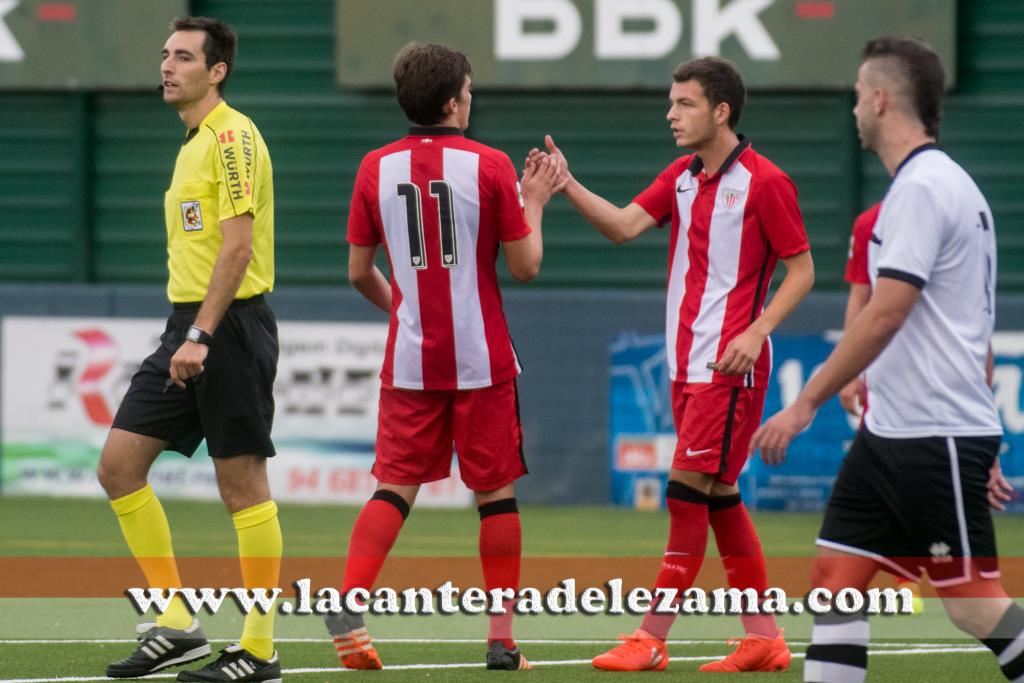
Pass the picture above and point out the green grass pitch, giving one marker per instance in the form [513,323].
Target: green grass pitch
[47,639]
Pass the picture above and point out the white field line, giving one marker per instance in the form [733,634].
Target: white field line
[477,665]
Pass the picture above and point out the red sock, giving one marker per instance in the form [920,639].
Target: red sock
[373,534]
[742,556]
[687,543]
[501,541]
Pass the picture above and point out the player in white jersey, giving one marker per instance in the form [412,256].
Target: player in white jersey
[915,489]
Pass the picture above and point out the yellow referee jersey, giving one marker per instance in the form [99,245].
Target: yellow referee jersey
[223,170]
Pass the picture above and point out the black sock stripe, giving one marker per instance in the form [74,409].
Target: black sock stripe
[499,507]
[832,618]
[1009,627]
[393,498]
[1014,668]
[850,655]
[680,491]
[719,503]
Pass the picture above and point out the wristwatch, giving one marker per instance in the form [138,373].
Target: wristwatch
[198,335]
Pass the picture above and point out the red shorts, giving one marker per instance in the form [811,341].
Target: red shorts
[714,424]
[416,430]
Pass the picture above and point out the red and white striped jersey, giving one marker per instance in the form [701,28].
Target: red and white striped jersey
[441,204]
[856,272]
[728,232]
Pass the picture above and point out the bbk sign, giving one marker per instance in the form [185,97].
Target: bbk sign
[628,43]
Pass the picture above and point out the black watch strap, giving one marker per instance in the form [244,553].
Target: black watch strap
[198,335]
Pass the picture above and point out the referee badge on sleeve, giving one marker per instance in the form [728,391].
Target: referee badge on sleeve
[191,216]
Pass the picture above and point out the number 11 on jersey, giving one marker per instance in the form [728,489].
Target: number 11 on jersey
[442,192]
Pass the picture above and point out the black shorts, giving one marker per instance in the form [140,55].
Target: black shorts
[231,403]
[916,504]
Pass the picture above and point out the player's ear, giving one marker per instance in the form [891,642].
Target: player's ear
[218,72]
[451,106]
[722,113]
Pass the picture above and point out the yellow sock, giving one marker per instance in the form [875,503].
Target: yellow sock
[145,527]
[259,549]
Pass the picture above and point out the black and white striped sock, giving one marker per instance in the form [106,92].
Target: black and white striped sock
[1007,643]
[839,649]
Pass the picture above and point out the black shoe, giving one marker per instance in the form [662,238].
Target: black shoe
[161,647]
[237,665]
[501,658]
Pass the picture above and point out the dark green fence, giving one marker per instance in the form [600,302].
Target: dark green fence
[83,175]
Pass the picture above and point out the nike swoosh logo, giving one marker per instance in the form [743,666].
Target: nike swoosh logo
[691,452]
[680,189]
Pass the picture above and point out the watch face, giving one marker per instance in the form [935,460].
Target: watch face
[193,335]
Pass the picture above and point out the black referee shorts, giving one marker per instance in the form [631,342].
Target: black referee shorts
[916,504]
[231,404]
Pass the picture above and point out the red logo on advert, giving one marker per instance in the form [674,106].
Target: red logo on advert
[636,455]
[227,137]
[102,354]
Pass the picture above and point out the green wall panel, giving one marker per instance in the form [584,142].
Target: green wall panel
[83,176]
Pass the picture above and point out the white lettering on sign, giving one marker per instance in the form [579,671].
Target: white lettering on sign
[514,42]
[612,41]
[10,50]
[714,21]
[712,24]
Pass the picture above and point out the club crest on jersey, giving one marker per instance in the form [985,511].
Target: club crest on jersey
[191,216]
[730,198]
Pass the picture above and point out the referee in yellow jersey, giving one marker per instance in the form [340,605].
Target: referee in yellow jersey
[213,375]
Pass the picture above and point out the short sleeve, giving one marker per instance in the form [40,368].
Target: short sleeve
[781,220]
[659,197]
[363,227]
[912,230]
[857,258]
[508,199]
[236,148]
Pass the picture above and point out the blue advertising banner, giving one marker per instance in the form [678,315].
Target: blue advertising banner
[642,437]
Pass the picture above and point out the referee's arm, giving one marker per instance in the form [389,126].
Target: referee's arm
[228,272]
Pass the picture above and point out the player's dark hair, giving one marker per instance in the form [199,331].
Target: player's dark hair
[426,77]
[220,44]
[923,70]
[720,80]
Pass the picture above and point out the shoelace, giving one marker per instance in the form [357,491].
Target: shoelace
[632,641]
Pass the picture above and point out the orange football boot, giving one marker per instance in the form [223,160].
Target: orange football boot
[638,652]
[755,653]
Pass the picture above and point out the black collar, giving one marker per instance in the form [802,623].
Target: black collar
[696,165]
[917,150]
[189,135]
[433,131]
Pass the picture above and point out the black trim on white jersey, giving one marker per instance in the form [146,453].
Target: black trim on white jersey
[902,276]
[913,153]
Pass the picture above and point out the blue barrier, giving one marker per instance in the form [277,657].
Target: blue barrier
[642,436]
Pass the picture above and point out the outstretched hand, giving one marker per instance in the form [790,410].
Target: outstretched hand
[775,435]
[562,166]
[541,179]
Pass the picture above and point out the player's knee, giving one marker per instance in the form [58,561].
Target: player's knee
[116,479]
[968,615]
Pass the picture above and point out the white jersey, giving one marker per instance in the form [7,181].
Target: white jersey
[936,232]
